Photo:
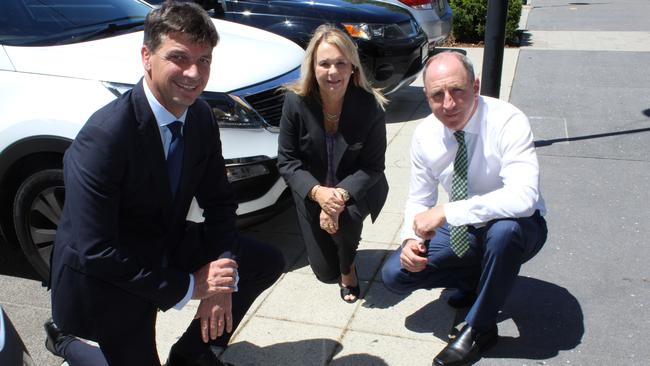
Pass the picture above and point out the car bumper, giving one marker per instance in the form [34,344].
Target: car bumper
[391,65]
[257,184]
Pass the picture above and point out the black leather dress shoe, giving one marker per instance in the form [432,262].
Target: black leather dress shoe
[53,337]
[465,348]
[461,299]
[207,358]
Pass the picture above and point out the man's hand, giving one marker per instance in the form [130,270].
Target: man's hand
[216,277]
[425,223]
[329,223]
[215,313]
[330,200]
[414,256]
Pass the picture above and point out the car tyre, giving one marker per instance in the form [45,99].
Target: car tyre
[37,210]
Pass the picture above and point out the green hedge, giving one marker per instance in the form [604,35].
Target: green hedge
[470,19]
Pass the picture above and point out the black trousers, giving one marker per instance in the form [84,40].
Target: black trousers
[260,265]
[331,255]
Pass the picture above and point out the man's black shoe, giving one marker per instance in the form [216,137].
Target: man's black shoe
[53,337]
[465,348]
[207,358]
[461,299]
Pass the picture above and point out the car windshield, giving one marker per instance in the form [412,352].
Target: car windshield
[55,22]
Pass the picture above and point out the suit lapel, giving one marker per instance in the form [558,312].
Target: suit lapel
[317,130]
[152,149]
[347,122]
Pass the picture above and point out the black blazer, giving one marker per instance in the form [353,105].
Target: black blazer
[360,147]
[118,246]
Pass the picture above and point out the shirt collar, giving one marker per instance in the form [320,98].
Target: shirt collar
[163,116]
[473,126]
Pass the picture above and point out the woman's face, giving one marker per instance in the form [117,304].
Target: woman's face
[333,70]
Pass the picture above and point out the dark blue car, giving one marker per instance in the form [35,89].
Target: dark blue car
[392,46]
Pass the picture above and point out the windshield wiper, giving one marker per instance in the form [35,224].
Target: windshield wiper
[109,28]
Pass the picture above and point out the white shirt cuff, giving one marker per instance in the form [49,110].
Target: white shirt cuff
[188,295]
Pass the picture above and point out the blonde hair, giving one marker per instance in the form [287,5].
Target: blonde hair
[307,85]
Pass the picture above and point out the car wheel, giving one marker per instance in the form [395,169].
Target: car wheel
[37,211]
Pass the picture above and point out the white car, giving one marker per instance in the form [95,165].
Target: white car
[434,16]
[61,60]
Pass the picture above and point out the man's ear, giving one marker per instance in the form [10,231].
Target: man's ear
[477,86]
[146,57]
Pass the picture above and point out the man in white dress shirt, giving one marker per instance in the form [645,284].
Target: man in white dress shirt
[502,213]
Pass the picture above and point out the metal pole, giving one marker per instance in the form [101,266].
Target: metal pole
[495,36]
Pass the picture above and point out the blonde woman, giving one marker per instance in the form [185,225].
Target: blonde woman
[331,154]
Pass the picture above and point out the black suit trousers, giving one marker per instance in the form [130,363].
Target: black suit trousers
[260,265]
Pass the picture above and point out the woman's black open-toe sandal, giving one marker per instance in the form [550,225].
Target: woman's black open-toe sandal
[350,290]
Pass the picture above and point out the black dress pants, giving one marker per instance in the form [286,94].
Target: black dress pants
[260,265]
[331,255]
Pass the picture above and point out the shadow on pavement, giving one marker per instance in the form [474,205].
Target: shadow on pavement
[543,143]
[306,352]
[548,318]
[427,319]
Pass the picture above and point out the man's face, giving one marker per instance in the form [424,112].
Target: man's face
[178,71]
[452,96]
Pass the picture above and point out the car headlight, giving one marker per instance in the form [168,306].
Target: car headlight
[381,31]
[364,30]
[229,110]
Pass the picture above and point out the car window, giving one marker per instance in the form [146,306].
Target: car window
[52,22]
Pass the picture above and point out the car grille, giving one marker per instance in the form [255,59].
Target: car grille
[268,104]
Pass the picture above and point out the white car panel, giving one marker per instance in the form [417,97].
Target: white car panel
[5,63]
[45,114]
[240,142]
[47,93]
[98,60]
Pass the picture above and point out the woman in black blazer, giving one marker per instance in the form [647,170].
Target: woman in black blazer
[331,154]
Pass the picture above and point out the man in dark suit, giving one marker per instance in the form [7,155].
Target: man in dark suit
[123,249]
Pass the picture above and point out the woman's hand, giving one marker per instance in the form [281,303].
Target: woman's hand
[329,199]
[329,223]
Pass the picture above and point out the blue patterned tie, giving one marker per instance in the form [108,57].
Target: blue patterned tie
[175,156]
[459,236]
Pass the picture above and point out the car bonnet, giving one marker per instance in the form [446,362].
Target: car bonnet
[243,57]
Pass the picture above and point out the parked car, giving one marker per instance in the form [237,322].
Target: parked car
[61,60]
[434,16]
[392,46]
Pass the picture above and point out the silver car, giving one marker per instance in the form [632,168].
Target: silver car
[434,16]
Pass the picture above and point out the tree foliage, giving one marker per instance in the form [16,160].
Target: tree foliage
[470,17]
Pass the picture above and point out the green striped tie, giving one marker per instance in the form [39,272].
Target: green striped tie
[459,236]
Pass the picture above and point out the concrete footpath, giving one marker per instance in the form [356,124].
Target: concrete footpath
[582,77]
[301,321]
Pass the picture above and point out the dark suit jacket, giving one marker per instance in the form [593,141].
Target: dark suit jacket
[119,220]
[359,154]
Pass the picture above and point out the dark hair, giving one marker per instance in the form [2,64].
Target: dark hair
[179,17]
